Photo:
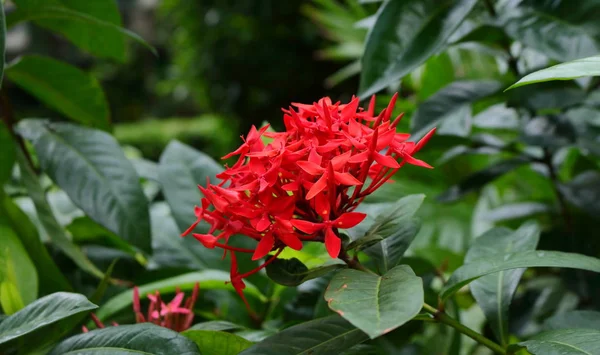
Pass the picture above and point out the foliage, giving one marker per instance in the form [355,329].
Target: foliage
[492,251]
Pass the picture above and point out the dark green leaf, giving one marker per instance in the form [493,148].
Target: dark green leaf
[323,336]
[45,317]
[515,211]
[479,179]
[574,319]
[92,169]
[565,71]
[564,342]
[144,338]
[7,158]
[16,267]
[487,34]
[180,170]
[211,342]
[217,325]
[208,279]
[96,297]
[584,192]
[493,264]
[2,43]
[67,89]
[494,293]
[388,252]
[449,100]
[376,304]
[406,33]
[48,220]
[292,272]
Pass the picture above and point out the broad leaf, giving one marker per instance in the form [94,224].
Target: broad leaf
[563,342]
[65,88]
[574,319]
[388,253]
[7,158]
[449,100]
[48,220]
[565,71]
[211,342]
[584,192]
[515,211]
[292,272]
[208,279]
[494,293]
[376,304]
[493,264]
[144,338]
[92,169]
[323,336]
[406,33]
[16,267]
[47,318]
[180,170]
[216,325]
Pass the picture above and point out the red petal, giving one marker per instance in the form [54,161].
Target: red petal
[190,229]
[346,179]
[341,160]
[263,224]
[349,219]
[264,246]
[349,111]
[416,162]
[359,158]
[317,187]
[386,160]
[310,167]
[207,240]
[322,206]
[306,226]
[424,140]
[291,240]
[333,243]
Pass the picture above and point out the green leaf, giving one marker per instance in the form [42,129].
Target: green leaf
[376,304]
[10,298]
[92,169]
[7,158]
[573,319]
[91,30]
[292,272]
[584,192]
[2,43]
[44,320]
[479,179]
[515,211]
[208,279]
[493,264]
[144,338]
[406,33]
[450,100]
[565,71]
[216,325]
[494,293]
[62,87]
[211,342]
[388,253]
[323,336]
[564,342]
[180,170]
[16,266]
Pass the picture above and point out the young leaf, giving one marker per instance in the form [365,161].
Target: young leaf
[144,338]
[406,33]
[494,293]
[42,320]
[211,342]
[92,169]
[574,319]
[493,264]
[376,304]
[16,267]
[323,336]
[562,342]
[565,71]
[7,158]
[208,279]
[292,272]
[65,88]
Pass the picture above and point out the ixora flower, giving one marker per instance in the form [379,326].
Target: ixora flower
[305,184]
[176,315]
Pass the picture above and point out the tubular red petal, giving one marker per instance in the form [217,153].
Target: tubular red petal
[349,219]
[310,167]
[264,246]
[317,187]
[424,140]
[306,226]
[207,240]
[386,160]
[291,240]
[333,243]
[346,179]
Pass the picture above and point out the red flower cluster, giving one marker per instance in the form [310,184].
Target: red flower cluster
[305,183]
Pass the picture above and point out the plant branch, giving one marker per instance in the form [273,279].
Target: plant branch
[442,317]
[353,263]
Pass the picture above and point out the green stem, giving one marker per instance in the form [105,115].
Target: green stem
[442,317]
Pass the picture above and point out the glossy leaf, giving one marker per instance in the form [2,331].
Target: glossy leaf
[565,71]
[180,170]
[516,210]
[449,100]
[292,272]
[62,87]
[574,319]
[405,35]
[144,338]
[376,304]
[493,264]
[91,168]
[323,336]
[208,279]
[494,293]
[584,192]
[388,253]
[43,317]
[211,342]
[564,342]
[16,266]
[48,220]
[7,158]
[216,325]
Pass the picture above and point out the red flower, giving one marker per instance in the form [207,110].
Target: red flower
[306,183]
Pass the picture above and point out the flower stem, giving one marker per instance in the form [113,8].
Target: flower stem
[442,317]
